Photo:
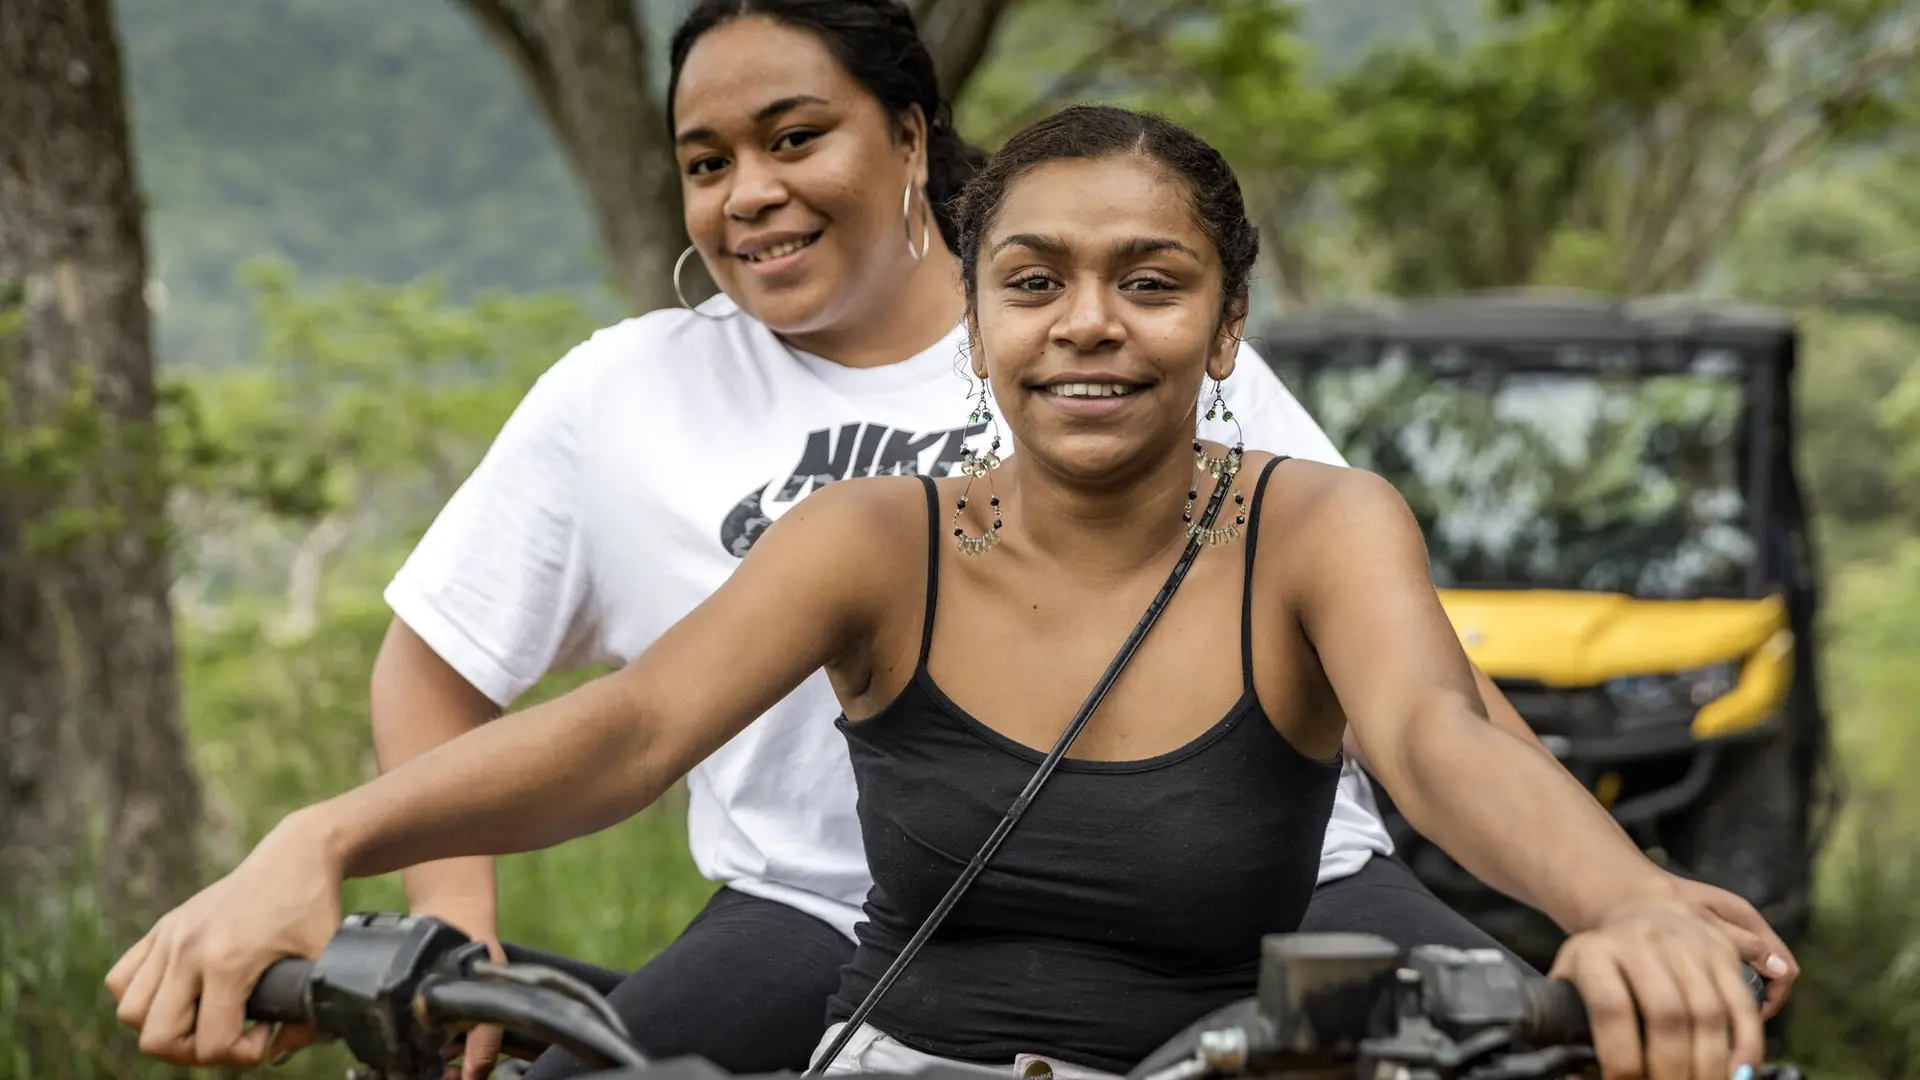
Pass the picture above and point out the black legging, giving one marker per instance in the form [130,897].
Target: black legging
[746,984]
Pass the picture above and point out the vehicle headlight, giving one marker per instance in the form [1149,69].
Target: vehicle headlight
[1681,691]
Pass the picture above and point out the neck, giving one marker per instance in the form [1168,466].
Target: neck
[923,307]
[1110,530]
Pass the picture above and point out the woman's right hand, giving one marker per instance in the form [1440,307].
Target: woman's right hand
[184,985]
[1664,995]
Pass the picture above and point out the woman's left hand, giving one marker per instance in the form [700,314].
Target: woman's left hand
[1664,993]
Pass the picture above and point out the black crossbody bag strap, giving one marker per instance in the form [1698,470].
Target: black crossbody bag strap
[1040,775]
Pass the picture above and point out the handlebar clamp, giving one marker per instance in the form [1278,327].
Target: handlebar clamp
[365,985]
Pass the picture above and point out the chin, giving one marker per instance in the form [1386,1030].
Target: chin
[1095,459]
[796,309]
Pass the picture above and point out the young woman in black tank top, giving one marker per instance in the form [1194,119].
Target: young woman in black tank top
[1106,258]
[1133,889]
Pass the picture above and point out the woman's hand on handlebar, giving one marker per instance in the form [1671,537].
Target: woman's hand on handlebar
[478,1049]
[1759,945]
[1664,994]
[184,985]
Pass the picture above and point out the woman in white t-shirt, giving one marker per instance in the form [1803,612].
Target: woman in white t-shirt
[817,159]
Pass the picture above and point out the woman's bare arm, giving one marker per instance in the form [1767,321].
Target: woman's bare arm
[812,593]
[587,760]
[1414,705]
[1500,712]
[420,702]
[1660,983]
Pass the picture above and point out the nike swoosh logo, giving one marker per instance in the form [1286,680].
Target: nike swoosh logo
[744,523]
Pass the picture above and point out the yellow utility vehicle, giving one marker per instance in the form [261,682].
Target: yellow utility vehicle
[1618,534]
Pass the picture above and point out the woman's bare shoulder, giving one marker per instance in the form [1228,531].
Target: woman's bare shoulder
[1332,507]
[862,522]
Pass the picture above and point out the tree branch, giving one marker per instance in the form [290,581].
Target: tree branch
[1790,145]
[1866,278]
[523,46]
[957,33]
[306,575]
[1075,80]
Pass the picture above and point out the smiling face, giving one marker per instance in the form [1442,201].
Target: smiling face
[793,176]
[1098,314]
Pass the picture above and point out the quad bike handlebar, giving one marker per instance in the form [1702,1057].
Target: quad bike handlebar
[395,989]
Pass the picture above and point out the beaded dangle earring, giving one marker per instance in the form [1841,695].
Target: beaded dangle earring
[974,466]
[1225,467]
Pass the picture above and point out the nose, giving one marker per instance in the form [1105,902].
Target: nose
[1089,320]
[756,188]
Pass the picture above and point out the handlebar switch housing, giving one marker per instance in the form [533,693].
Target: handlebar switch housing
[364,986]
[1467,991]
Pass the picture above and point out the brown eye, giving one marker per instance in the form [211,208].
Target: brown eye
[793,140]
[702,166]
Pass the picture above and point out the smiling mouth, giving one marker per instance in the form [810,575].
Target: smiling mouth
[1092,390]
[778,251]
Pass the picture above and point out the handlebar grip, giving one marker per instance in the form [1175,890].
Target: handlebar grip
[280,996]
[1556,1016]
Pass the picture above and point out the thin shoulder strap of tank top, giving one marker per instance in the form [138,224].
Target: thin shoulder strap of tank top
[933,566]
[1246,588]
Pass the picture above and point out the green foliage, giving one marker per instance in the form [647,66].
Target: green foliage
[1465,166]
[1857,445]
[394,391]
[277,725]
[1844,238]
[383,381]
[1857,1012]
[1842,244]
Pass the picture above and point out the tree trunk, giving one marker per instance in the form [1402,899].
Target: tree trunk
[95,760]
[584,62]
[616,138]
[957,33]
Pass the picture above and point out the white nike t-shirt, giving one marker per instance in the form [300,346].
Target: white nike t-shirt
[627,486]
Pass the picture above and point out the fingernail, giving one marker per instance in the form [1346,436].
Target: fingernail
[1774,967]
[1744,1072]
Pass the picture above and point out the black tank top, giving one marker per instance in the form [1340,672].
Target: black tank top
[1129,901]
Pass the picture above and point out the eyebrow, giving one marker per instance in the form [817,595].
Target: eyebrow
[760,116]
[1133,248]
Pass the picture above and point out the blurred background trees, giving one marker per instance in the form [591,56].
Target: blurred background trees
[369,226]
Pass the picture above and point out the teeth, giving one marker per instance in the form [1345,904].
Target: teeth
[1083,389]
[779,250]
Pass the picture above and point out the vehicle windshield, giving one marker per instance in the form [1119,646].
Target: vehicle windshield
[1587,474]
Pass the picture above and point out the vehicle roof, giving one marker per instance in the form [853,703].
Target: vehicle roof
[1534,317]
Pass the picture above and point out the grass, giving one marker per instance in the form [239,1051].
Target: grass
[1857,1011]
[276,726]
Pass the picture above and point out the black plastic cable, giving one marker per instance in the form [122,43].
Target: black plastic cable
[530,1011]
[1020,804]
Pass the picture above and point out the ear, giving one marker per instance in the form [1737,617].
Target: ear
[913,134]
[1226,342]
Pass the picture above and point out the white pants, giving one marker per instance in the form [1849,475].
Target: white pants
[872,1050]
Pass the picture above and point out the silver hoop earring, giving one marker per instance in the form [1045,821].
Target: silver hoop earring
[679,265]
[906,218]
